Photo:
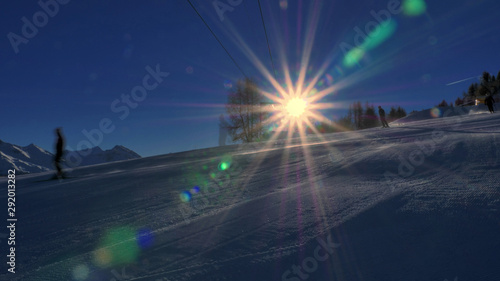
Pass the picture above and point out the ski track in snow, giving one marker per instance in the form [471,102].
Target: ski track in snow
[436,220]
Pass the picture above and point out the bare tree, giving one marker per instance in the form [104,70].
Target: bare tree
[243,107]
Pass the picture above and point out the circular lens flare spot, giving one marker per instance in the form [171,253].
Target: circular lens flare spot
[223,166]
[144,238]
[436,112]
[414,7]
[118,247]
[102,257]
[225,162]
[283,4]
[296,107]
[185,196]
[81,272]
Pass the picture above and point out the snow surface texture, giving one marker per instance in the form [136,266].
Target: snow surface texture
[33,159]
[416,202]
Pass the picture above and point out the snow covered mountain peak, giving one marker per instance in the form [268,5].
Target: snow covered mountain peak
[34,159]
[123,149]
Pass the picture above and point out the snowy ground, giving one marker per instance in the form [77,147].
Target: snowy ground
[418,201]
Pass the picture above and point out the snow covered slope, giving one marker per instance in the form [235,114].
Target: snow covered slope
[33,159]
[416,202]
[441,112]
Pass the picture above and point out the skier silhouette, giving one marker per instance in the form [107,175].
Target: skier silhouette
[59,153]
[489,102]
[381,113]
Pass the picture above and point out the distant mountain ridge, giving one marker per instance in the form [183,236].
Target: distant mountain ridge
[34,159]
[99,156]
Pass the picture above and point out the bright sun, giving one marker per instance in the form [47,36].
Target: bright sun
[296,107]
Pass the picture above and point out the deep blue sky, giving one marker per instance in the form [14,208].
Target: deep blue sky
[91,52]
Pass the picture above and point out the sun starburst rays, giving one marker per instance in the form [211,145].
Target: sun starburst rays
[294,104]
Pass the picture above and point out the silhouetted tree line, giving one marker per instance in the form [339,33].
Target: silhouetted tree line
[444,104]
[489,85]
[396,113]
[248,119]
[358,118]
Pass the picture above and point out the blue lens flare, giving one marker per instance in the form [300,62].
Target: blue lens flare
[144,238]
[185,196]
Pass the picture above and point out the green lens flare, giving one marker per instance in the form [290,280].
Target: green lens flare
[119,246]
[373,39]
[225,162]
[414,7]
[379,35]
[223,166]
[353,57]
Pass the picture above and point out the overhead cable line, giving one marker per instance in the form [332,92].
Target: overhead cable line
[268,47]
[215,36]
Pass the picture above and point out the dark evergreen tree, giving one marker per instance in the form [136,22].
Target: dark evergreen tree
[483,90]
[472,90]
[346,123]
[487,86]
[393,114]
[400,112]
[358,115]
[370,119]
[442,104]
[496,84]
[349,117]
[485,78]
